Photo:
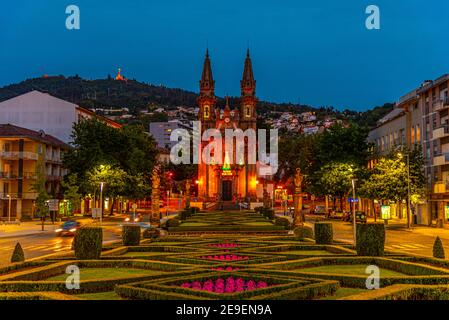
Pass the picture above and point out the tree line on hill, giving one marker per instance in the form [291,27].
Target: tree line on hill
[138,96]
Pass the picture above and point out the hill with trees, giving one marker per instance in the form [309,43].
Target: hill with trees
[137,96]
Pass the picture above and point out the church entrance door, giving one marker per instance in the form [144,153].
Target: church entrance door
[227,190]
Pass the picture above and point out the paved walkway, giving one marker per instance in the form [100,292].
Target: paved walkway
[417,240]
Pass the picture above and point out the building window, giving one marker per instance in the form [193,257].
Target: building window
[412,129]
[418,134]
[206,112]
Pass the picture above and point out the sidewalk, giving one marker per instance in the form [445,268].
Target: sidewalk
[26,228]
[29,228]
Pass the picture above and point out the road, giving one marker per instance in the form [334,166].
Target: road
[43,243]
[419,240]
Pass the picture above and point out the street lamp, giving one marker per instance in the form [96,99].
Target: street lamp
[400,155]
[354,224]
[101,202]
[9,207]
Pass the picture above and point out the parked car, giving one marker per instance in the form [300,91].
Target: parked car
[360,217]
[320,210]
[337,215]
[68,228]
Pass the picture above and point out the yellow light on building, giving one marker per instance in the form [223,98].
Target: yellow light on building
[446,211]
[385,212]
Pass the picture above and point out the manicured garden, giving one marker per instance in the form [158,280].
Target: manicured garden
[213,265]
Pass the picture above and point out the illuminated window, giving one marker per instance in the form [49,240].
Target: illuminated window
[248,112]
[206,112]
[418,133]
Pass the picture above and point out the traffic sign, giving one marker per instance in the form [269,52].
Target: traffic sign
[53,204]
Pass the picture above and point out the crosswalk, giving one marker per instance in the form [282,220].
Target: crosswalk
[406,247]
[37,247]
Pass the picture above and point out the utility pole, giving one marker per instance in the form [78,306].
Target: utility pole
[408,193]
[354,223]
[9,207]
[101,202]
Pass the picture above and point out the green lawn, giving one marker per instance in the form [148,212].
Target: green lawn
[355,269]
[110,295]
[343,292]
[103,273]
[194,224]
[146,254]
[257,224]
[167,243]
[308,252]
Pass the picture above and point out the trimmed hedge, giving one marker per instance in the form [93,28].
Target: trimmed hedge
[404,292]
[18,255]
[370,239]
[172,223]
[324,233]
[267,213]
[87,243]
[131,235]
[284,288]
[283,222]
[303,232]
[36,296]
[438,249]
[151,233]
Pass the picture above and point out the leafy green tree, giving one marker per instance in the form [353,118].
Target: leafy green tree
[71,191]
[343,143]
[335,179]
[297,151]
[128,153]
[388,181]
[114,181]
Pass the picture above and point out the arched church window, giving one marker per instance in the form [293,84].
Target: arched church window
[206,112]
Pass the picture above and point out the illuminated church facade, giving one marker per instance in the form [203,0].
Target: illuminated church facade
[236,179]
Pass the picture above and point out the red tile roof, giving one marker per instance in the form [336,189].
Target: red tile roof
[12,131]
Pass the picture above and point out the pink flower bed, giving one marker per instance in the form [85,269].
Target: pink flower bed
[225,269]
[225,257]
[228,285]
[224,245]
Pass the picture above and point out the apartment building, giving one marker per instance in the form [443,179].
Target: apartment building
[23,152]
[422,117]
[161,132]
[434,101]
[397,129]
[37,111]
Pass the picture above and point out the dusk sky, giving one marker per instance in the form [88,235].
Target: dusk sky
[318,52]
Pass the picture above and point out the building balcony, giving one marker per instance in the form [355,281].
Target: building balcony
[23,195]
[53,159]
[441,159]
[8,175]
[15,155]
[441,132]
[52,177]
[15,175]
[441,187]
[441,104]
